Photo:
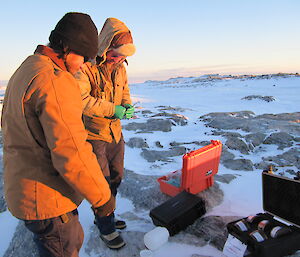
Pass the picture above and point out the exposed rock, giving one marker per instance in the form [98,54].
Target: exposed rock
[247,121]
[177,118]
[282,139]
[226,155]
[291,172]
[153,155]
[170,108]
[225,178]
[212,229]
[146,112]
[226,134]
[202,143]
[288,158]
[235,143]
[3,206]
[22,243]
[264,98]
[142,190]
[255,139]
[238,164]
[137,142]
[158,144]
[212,196]
[151,125]
[265,166]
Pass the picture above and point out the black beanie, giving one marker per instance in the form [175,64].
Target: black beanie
[78,32]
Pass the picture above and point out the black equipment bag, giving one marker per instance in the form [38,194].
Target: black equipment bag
[178,212]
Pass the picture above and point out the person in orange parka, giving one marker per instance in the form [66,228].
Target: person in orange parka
[106,97]
[48,165]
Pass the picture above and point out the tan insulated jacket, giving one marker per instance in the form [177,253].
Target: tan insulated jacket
[48,165]
[101,91]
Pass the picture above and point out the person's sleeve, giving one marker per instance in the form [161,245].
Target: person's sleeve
[126,99]
[59,107]
[92,105]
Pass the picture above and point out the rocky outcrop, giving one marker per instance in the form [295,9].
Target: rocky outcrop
[263,98]
[150,126]
[137,142]
[282,139]
[248,122]
[258,132]
[153,155]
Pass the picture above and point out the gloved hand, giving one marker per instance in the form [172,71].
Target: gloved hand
[129,111]
[119,112]
[106,209]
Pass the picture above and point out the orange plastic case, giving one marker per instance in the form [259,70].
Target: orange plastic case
[197,173]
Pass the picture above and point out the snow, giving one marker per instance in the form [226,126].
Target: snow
[198,96]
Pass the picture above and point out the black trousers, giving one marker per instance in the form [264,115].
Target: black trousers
[111,160]
[57,237]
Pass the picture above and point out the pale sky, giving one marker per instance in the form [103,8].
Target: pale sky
[173,37]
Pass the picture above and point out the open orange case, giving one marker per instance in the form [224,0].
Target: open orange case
[197,173]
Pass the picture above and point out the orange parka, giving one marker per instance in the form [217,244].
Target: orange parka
[48,165]
[101,90]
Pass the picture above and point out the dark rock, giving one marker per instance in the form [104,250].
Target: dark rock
[255,139]
[151,125]
[247,121]
[238,164]
[225,178]
[265,166]
[137,142]
[235,143]
[288,158]
[282,139]
[291,172]
[202,143]
[170,108]
[226,134]
[177,118]
[3,206]
[226,155]
[142,190]
[146,112]
[158,144]
[264,98]
[212,196]
[22,243]
[212,229]
[153,155]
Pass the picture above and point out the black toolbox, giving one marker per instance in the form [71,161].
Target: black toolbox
[264,234]
[178,212]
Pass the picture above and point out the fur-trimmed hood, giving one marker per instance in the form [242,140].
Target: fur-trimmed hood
[110,29]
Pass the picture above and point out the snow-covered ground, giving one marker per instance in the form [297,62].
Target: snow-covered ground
[197,96]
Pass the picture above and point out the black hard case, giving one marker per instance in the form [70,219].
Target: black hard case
[178,212]
[281,198]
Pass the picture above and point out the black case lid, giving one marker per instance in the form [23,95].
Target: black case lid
[176,206]
[281,197]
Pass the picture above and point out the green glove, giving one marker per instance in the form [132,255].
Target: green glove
[129,111]
[119,112]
